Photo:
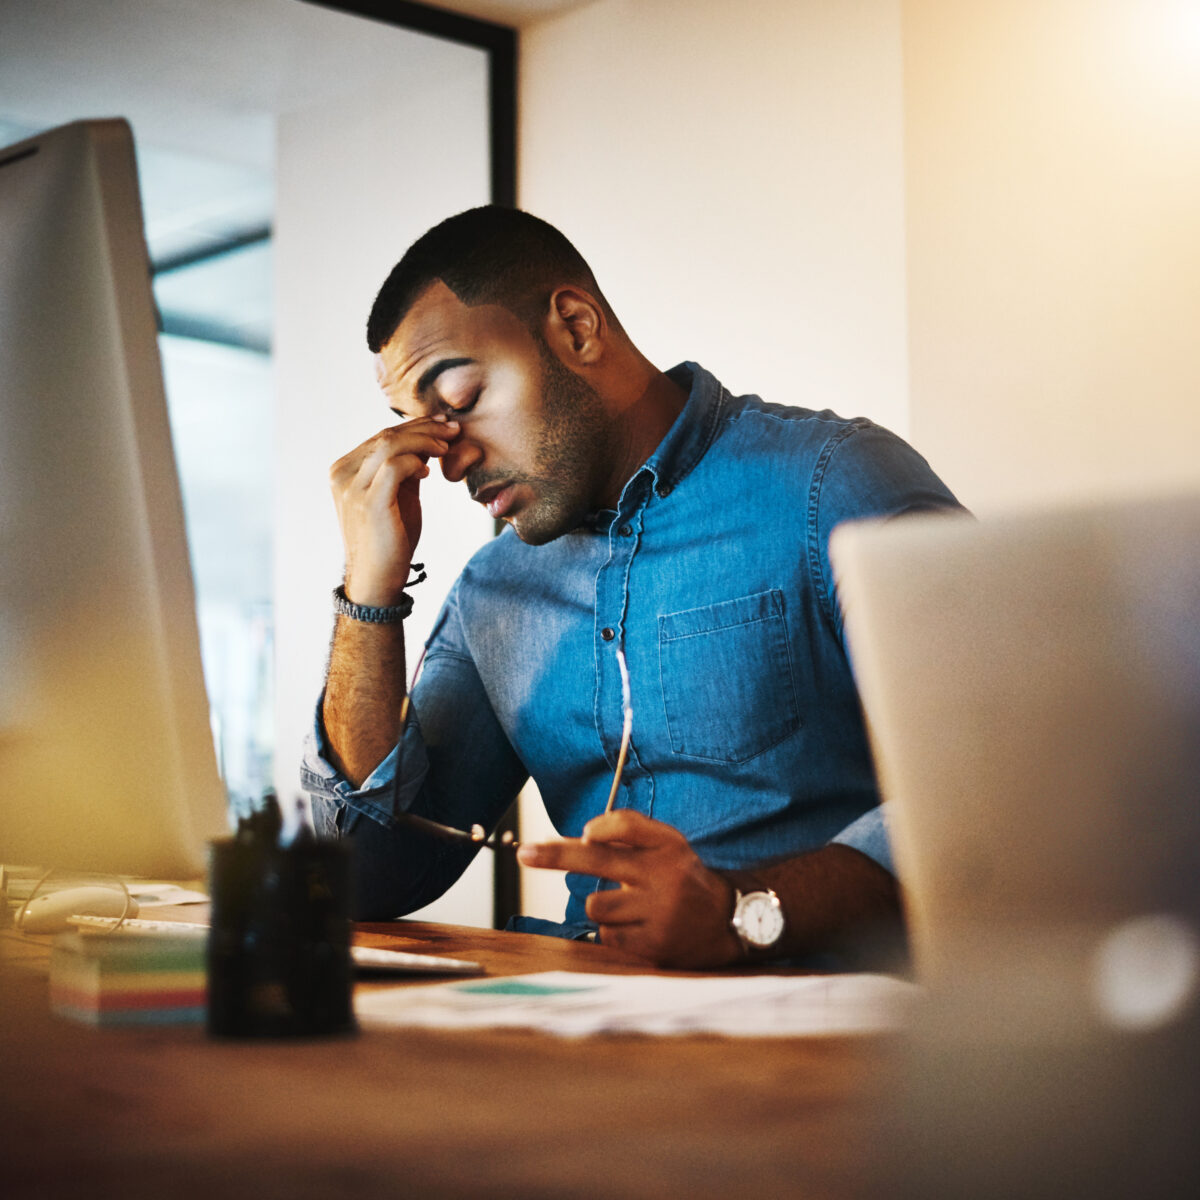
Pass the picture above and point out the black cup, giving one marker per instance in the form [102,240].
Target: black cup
[279,943]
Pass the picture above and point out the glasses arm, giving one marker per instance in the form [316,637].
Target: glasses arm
[626,730]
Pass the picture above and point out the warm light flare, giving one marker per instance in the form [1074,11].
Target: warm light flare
[1146,972]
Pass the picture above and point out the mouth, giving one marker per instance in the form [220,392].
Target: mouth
[497,498]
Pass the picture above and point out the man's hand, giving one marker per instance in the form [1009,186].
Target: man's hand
[376,491]
[670,908]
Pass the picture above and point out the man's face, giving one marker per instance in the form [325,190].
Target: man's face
[534,444]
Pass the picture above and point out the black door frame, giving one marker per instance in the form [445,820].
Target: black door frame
[500,44]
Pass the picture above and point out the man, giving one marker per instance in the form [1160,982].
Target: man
[649,512]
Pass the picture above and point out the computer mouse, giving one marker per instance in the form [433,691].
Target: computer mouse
[48,913]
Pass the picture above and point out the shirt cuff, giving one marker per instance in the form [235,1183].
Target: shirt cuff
[869,835]
[332,792]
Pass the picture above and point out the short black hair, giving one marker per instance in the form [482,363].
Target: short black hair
[486,255]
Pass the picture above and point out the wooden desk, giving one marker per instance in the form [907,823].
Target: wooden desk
[170,1114]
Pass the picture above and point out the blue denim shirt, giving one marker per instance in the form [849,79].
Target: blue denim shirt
[714,574]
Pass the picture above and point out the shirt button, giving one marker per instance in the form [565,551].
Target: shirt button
[663,490]
[608,633]
[625,530]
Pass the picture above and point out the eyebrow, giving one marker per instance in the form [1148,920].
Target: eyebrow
[428,378]
[431,373]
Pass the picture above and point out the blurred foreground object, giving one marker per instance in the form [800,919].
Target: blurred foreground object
[1032,689]
[278,955]
[106,751]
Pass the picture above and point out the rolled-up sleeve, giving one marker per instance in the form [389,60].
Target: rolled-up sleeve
[870,836]
[454,764]
[333,794]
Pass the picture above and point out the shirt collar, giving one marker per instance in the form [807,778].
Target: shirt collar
[599,522]
[686,441]
[694,429]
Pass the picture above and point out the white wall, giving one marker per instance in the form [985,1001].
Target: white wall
[733,172]
[1053,161]
[357,182]
[790,190]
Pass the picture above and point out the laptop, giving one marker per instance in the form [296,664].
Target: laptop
[1031,685]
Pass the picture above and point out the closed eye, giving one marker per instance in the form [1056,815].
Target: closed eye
[458,409]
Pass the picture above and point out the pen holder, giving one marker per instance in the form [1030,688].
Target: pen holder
[279,943]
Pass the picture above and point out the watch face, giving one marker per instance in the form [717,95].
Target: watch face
[760,919]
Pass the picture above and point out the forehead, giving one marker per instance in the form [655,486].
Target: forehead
[437,328]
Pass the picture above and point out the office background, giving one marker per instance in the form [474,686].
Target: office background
[973,220]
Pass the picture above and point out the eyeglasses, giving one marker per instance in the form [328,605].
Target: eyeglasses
[477,835]
[626,730]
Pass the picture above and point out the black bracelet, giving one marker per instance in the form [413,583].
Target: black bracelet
[392,615]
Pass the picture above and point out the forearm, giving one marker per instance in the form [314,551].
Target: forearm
[832,898]
[455,766]
[376,489]
[364,692]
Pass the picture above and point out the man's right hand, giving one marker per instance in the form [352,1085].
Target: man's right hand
[376,488]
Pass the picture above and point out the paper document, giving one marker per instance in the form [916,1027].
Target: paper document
[573,1005]
[155,895]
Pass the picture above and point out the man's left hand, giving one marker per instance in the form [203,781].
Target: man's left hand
[669,908]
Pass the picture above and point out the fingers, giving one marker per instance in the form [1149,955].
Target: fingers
[632,829]
[378,484]
[628,938]
[620,864]
[614,846]
[403,449]
[669,908]
[376,494]
[615,906]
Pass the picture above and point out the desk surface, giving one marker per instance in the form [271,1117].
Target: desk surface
[170,1113]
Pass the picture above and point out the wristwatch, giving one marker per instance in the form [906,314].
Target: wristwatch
[757,919]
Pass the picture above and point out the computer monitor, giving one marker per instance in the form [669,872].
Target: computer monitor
[106,753]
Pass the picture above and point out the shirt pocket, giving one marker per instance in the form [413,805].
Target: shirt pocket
[726,671]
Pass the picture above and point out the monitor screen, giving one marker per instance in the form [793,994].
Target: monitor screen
[106,754]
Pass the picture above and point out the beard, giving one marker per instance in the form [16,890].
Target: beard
[570,463]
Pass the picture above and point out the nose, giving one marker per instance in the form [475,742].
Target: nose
[460,458]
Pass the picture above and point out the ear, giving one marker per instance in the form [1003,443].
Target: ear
[576,326]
